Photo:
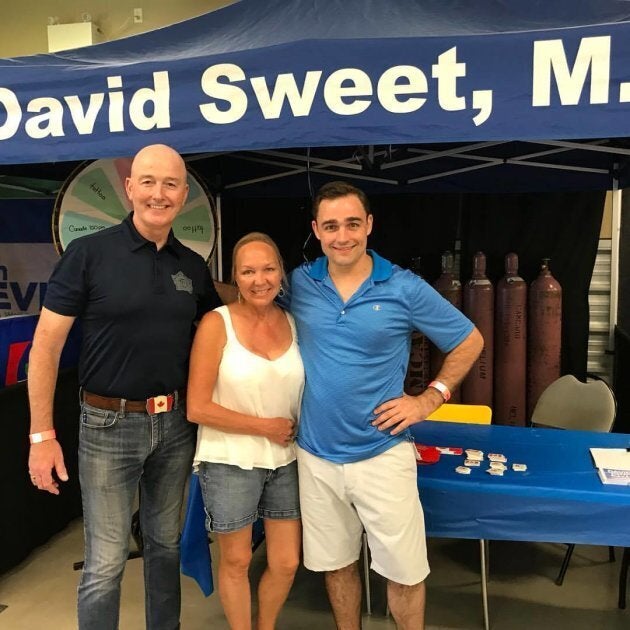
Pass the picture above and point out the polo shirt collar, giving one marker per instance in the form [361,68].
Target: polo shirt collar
[381,268]
[137,241]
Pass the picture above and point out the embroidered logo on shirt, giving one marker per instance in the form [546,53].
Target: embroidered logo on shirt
[376,307]
[182,282]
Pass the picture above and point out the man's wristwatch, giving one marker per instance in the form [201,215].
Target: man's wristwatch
[443,389]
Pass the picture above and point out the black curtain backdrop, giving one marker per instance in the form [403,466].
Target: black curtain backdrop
[622,332]
[414,226]
[405,227]
[564,227]
[287,221]
[623,318]
[621,378]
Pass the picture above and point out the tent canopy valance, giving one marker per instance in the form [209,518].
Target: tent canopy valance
[412,87]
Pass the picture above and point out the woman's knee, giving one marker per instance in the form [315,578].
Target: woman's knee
[236,561]
[283,564]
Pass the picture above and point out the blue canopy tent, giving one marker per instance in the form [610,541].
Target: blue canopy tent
[348,73]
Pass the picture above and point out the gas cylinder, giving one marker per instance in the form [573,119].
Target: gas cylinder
[544,334]
[450,288]
[479,308]
[510,350]
[418,376]
[448,285]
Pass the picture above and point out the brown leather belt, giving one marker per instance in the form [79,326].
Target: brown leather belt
[156,404]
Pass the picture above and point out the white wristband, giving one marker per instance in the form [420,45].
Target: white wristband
[36,438]
[443,389]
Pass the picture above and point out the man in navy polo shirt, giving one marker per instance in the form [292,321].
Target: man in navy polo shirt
[355,313]
[137,291]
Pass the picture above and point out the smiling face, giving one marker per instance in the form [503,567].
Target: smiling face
[342,227]
[258,273]
[157,189]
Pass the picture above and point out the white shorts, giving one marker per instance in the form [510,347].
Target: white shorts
[380,495]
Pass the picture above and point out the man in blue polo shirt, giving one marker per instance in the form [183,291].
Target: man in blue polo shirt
[137,291]
[355,313]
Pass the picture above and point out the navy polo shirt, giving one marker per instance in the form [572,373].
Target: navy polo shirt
[355,353]
[137,306]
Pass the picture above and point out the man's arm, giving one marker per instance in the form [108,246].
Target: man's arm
[402,412]
[50,336]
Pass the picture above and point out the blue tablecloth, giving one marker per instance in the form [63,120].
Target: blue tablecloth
[558,499]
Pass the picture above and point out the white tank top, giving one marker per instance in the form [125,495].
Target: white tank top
[256,386]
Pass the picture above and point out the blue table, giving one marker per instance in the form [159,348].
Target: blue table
[558,499]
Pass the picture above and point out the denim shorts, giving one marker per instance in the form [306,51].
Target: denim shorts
[234,497]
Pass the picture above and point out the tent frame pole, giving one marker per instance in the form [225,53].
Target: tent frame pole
[614,260]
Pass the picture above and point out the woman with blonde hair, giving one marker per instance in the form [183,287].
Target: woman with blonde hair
[245,387]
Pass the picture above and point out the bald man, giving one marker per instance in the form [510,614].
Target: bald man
[137,291]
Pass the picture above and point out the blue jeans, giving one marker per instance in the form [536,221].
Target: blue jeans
[118,452]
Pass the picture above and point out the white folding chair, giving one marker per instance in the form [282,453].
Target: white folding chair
[571,404]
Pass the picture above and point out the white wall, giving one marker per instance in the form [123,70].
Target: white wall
[23,25]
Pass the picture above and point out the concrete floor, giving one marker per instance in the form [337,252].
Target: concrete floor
[40,593]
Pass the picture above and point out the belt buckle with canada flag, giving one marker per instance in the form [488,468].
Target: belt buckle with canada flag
[159,404]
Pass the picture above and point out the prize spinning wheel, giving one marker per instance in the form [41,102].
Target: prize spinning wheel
[94,198]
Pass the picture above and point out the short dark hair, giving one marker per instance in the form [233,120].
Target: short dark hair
[334,190]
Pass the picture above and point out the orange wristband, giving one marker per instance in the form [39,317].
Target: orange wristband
[443,389]
[36,438]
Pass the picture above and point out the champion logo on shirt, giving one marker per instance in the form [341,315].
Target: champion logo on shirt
[182,282]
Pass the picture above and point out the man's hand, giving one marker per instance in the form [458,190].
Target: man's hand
[402,412]
[42,460]
[44,457]
[279,430]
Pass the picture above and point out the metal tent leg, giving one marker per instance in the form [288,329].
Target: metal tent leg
[366,575]
[565,565]
[483,552]
[623,577]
